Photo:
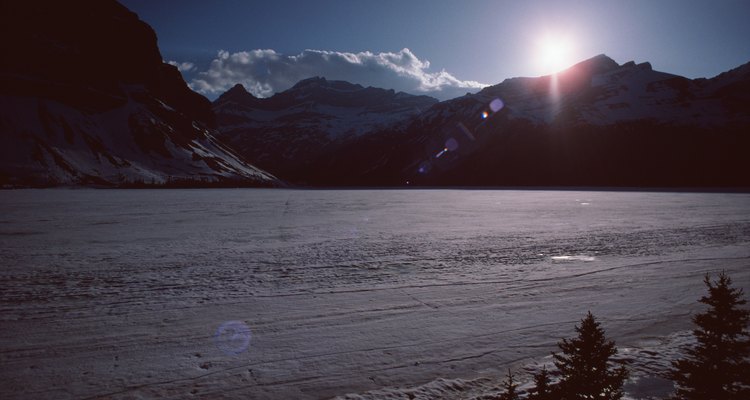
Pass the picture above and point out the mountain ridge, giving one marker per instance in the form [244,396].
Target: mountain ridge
[108,111]
[597,123]
[86,99]
[294,129]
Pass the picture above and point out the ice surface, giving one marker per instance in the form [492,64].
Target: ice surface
[122,293]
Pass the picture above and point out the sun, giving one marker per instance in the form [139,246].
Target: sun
[554,54]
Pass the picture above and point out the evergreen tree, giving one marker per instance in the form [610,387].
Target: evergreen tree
[717,366]
[542,389]
[510,388]
[585,365]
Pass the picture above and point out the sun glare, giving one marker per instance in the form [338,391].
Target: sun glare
[554,54]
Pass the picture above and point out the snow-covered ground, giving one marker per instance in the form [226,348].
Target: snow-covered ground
[275,294]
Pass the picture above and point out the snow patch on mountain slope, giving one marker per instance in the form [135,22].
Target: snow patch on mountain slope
[335,121]
[607,96]
[637,92]
[57,143]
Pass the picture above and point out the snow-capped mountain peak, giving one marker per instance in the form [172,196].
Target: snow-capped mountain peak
[595,65]
[596,123]
[599,91]
[309,122]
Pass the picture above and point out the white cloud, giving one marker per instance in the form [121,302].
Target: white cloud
[265,72]
[182,66]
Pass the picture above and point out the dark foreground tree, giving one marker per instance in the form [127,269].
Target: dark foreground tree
[510,388]
[585,367]
[542,389]
[717,367]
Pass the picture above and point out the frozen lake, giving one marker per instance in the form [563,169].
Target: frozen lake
[120,293]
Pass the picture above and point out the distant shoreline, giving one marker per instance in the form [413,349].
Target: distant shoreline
[644,189]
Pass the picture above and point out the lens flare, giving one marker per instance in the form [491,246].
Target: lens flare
[465,131]
[496,105]
[232,337]
[424,167]
[451,144]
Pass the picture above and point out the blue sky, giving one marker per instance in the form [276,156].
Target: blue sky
[467,43]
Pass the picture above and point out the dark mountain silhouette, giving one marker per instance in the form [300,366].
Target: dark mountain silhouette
[86,99]
[293,132]
[595,124]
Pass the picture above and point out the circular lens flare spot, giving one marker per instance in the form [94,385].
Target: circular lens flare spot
[232,337]
[451,144]
[496,105]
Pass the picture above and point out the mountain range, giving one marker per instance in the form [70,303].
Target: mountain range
[293,131]
[105,109]
[597,123]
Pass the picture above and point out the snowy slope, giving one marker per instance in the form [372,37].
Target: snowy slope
[335,108]
[47,142]
[88,100]
[598,91]
[290,131]
[596,124]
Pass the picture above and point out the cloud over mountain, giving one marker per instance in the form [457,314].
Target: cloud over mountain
[265,72]
[182,66]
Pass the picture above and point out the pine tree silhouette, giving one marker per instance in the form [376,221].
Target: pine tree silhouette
[585,365]
[542,389]
[717,367]
[510,388]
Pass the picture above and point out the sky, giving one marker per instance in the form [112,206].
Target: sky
[441,48]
